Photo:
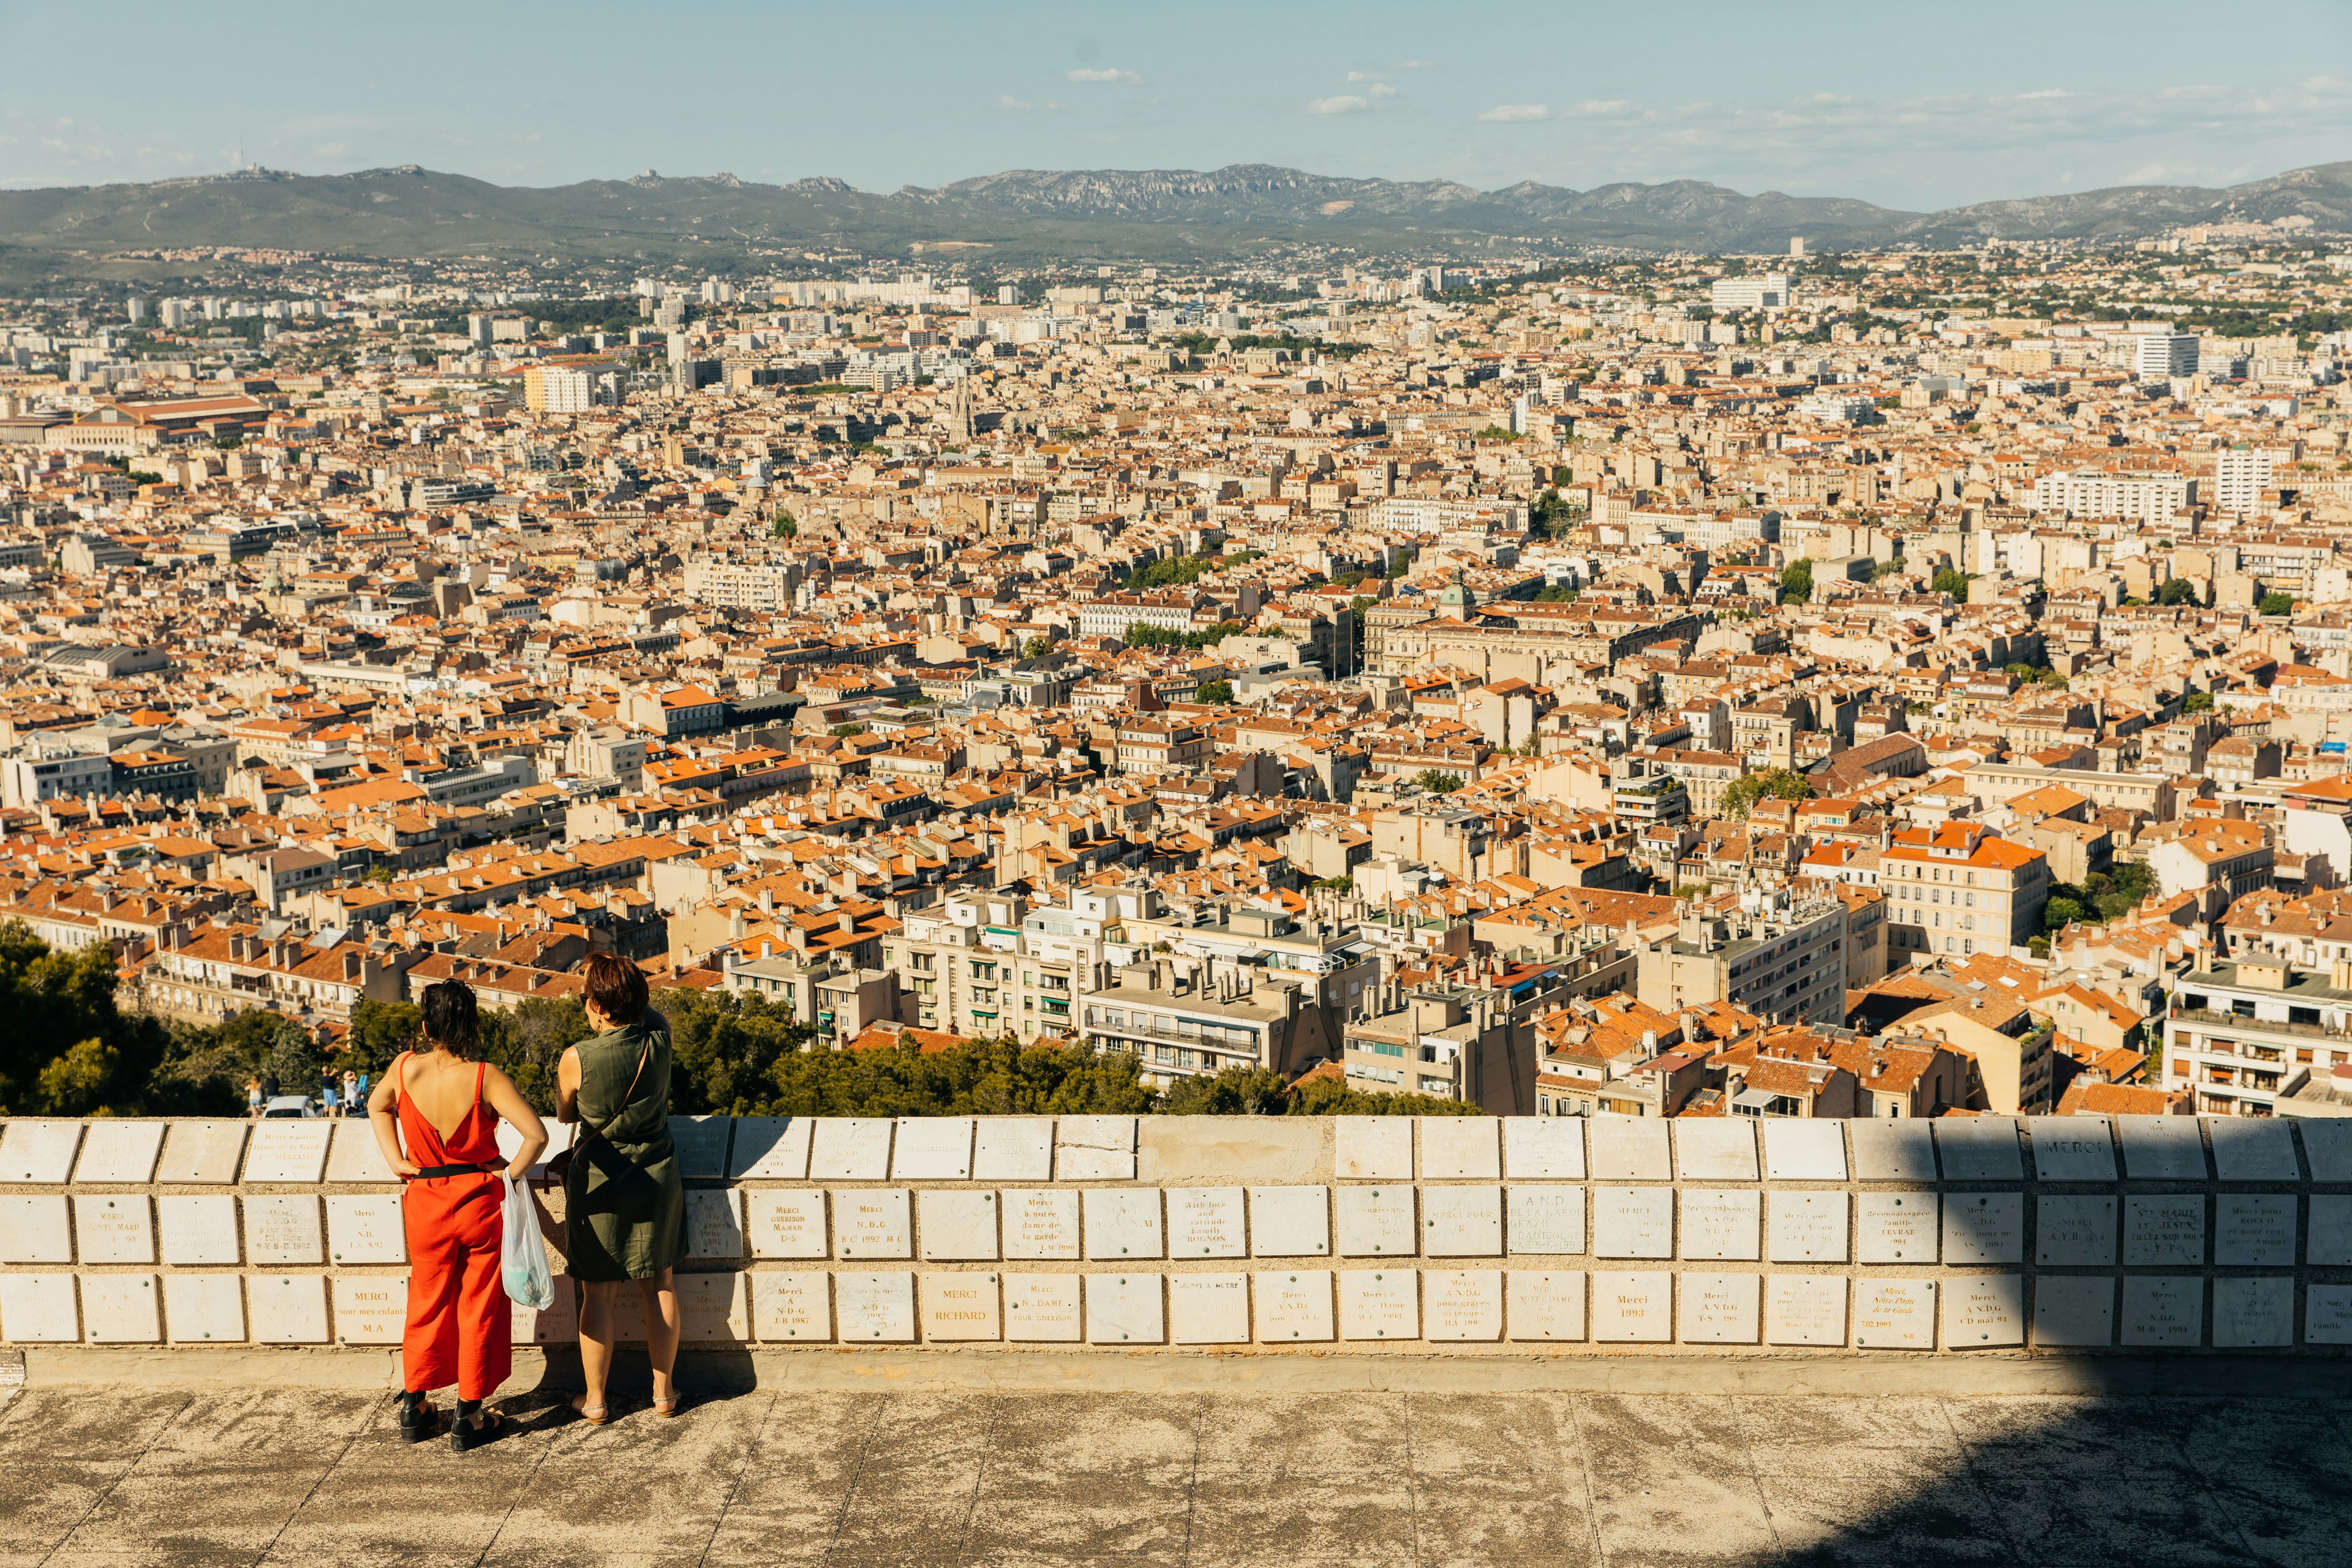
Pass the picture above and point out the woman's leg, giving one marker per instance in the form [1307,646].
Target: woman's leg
[595,1338]
[486,1341]
[661,1329]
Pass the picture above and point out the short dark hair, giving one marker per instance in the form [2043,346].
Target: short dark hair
[617,988]
[451,1018]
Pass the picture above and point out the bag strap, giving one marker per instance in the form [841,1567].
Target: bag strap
[597,1130]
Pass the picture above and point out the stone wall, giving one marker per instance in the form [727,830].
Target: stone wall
[1461,1234]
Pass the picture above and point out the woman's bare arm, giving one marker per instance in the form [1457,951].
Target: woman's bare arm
[383,1120]
[567,1086]
[507,1101]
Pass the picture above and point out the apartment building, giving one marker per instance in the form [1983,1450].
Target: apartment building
[2242,1035]
[1777,954]
[1960,888]
[991,965]
[1220,1017]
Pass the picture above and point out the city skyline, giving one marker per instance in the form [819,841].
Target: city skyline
[1581,100]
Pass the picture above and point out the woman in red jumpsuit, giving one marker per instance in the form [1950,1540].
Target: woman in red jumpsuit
[447,1106]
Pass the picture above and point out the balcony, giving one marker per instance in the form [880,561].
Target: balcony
[2205,1017]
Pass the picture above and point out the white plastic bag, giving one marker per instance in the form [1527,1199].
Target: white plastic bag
[523,1260]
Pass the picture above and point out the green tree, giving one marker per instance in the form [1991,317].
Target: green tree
[843,732]
[1038,646]
[1214,691]
[1437,781]
[2179,591]
[1235,1091]
[1796,583]
[1885,569]
[69,1050]
[2060,913]
[1951,582]
[726,1048]
[2197,702]
[2275,604]
[1555,593]
[1772,783]
[787,526]
[987,1078]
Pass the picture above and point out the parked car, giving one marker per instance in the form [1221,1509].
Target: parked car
[287,1105]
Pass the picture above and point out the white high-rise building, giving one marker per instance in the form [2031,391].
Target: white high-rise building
[2241,475]
[1763,292]
[2160,357]
[175,314]
[135,309]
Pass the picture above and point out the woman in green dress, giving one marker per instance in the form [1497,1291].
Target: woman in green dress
[625,1205]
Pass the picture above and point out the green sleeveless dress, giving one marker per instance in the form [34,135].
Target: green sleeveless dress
[625,1201]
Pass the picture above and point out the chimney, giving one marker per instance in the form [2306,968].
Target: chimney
[352,964]
[2204,961]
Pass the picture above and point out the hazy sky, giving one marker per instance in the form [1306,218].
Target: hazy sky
[1907,105]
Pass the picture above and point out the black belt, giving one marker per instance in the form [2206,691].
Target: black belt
[432,1172]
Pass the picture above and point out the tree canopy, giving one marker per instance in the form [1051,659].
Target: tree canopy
[1260,1091]
[1796,583]
[1772,783]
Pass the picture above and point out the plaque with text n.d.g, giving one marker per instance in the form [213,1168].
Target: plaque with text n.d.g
[875,1309]
[791,1307]
[365,1228]
[2163,1309]
[1984,1228]
[870,1222]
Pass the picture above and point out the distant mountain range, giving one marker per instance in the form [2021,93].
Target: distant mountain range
[1025,215]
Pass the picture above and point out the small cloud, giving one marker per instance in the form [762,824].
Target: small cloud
[1365,76]
[1380,89]
[1103,74]
[1506,114]
[1418,66]
[333,149]
[1597,106]
[2046,92]
[1346,103]
[1012,104]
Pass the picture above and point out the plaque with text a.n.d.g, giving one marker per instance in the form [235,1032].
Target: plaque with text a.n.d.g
[283,1229]
[1718,1309]
[1293,1306]
[1464,1304]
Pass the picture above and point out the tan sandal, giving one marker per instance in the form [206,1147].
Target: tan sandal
[581,1407]
[667,1408]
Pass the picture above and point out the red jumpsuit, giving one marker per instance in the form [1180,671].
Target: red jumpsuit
[460,1328]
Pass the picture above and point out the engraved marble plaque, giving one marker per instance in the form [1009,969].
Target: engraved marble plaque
[115,1150]
[1804,1309]
[958,1225]
[197,1230]
[366,1228]
[1094,1149]
[1722,1222]
[1462,1221]
[1978,1149]
[1208,1308]
[1633,1222]
[34,1229]
[1720,1309]
[38,1309]
[875,1309]
[1377,1221]
[1629,1148]
[772,1149]
[850,1149]
[714,1224]
[1893,1149]
[1810,1227]
[1293,1305]
[712,1308]
[2253,1313]
[355,1157]
[791,1307]
[870,1222]
[962,1307]
[1123,1222]
[2252,1230]
[701,1143]
[2327,1314]
[1014,1149]
[203,1154]
[1804,1149]
[2073,1149]
[1894,1315]
[1040,1223]
[2328,1235]
[38,1151]
[932,1149]
[1894,1227]
[288,1151]
[627,1320]
[1715,1149]
[2075,1232]
[371,1309]
[2251,1149]
[287,1309]
[1983,1227]
[1983,1309]
[2163,1229]
[120,1309]
[1633,1307]
[1460,1149]
[2162,1148]
[1044,1309]
[1544,1147]
[1462,1304]
[2074,1310]
[1378,1304]
[1544,1304]
[557,1323]
[1546,1221]
[2327,1144]
[1206,1222]
[1373,1148]
[1291,1221]
[1125,1310]
[204,1308]
[2163,1309]
[786,1222]
[283,1230]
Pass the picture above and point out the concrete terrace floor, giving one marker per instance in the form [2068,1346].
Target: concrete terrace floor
[127,1474]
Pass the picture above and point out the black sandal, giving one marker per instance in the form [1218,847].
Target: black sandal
[418,1419]
[464,1434]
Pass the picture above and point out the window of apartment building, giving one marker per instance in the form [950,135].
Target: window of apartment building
[1436,1086]
[921,962]
[1380,1050]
